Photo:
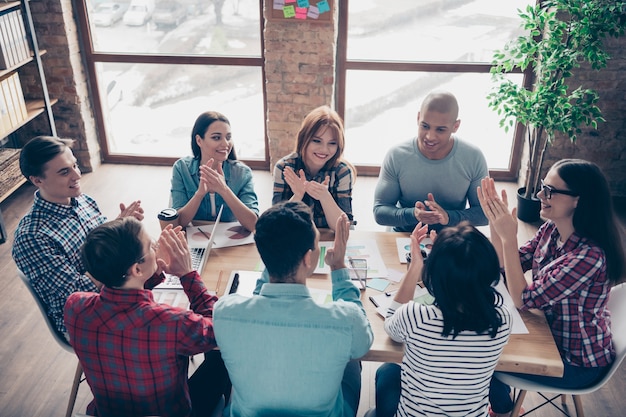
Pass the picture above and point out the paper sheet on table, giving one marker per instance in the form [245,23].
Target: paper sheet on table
[518,326]
[383,301]
[226,234]
[246,283]
[360,248]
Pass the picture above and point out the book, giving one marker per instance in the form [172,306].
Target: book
[21,54]
[7,51]
[22,33]
[8,100]
[16,87]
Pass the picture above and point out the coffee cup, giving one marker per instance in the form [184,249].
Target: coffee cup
[168,216]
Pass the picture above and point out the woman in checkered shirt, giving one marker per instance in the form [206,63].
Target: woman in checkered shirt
[575,258]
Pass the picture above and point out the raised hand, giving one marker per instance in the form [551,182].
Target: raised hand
[295,181]
[173,255]
[134,209]
[496,208]
[212,178]
[316,190]
[419,233]
[335,256]
[429,212]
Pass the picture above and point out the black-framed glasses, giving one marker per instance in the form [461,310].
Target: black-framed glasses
[548,190]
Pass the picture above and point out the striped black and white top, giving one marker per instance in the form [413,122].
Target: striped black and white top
[442,376]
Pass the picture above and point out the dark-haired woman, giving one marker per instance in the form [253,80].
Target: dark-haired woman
[575,257]
[451,347]
[213,177]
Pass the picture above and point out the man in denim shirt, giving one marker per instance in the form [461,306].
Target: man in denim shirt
[285,354]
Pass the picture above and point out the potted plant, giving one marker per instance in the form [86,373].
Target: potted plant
[559,36]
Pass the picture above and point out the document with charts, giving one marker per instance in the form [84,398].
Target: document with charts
[226,234]
[358,248]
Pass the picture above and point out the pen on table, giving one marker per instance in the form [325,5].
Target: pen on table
[390,293]
[219,281]
[204,233]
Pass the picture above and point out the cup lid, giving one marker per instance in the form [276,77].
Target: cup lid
[168,214]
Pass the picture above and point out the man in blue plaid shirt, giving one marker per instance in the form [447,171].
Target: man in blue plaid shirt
[48,239]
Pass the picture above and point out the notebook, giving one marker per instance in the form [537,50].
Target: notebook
[199,247]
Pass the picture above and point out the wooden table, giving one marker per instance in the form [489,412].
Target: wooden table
[532,353]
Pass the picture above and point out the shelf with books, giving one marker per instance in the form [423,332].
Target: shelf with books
[19,51]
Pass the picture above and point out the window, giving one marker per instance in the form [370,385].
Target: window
[157,65]
[392,54]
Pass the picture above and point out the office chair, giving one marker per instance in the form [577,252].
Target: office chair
[617,307]
[61,340]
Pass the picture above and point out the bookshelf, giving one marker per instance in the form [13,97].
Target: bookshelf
[18,50]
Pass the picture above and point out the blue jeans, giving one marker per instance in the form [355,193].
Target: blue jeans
[351,385]
[573,377]
[387,389]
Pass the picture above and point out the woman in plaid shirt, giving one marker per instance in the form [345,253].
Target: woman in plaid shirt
[575,257]
[316,172]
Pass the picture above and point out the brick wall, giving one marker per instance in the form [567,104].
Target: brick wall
[300,75]
[605,146]
[65,75]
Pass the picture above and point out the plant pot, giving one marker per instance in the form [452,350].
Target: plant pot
[527,208]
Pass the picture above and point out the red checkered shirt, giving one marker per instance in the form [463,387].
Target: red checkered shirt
[571,286]
[135,352]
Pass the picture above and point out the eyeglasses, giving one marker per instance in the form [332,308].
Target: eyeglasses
[154,245]
[548,190]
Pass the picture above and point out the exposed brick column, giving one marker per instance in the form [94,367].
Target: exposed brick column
[300,75]
[605,146]
[56,32]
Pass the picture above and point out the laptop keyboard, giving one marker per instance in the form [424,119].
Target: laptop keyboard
[172,281]
[196,258]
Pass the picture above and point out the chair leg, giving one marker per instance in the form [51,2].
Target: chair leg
[74,392]
[563,399]
[578,405]
[518,403]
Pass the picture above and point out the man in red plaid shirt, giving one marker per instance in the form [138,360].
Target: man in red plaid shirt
[135,352]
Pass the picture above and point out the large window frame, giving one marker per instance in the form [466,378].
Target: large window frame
[92,58]
[344,65]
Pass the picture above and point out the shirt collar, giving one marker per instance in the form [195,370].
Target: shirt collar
[122,296]
[54,207]
[277,290]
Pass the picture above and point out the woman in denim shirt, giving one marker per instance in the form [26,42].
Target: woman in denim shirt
[213,177]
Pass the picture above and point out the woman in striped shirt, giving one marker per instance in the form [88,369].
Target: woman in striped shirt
[452,346]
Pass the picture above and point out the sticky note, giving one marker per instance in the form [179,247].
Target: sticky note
[278,4]
[303,3]
[323,6]
[377,284]
[289,11]
[313,13]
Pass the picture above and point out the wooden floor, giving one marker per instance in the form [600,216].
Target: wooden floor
[36,374]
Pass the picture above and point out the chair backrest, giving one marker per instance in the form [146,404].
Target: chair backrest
[617,307]
[58,336]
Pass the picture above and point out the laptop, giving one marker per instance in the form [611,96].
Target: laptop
[199,247]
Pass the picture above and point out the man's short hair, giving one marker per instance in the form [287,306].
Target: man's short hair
[111,249]
[38,152]
[283,235]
